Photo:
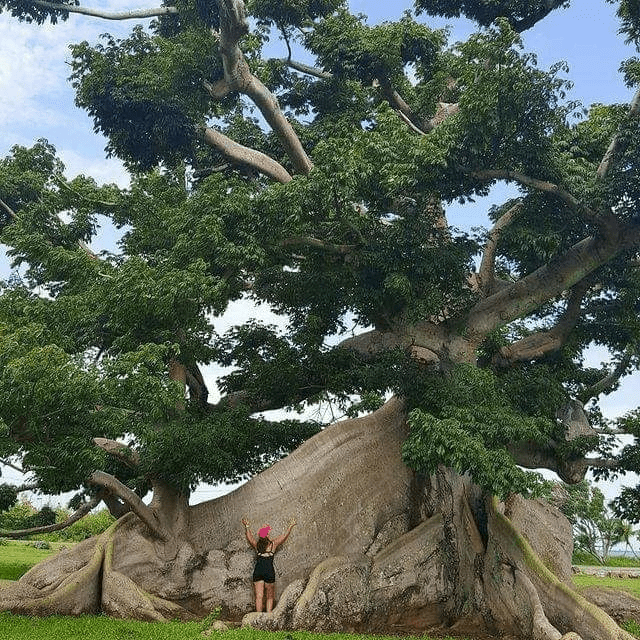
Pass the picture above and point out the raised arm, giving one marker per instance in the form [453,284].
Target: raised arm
[248,533]
[280,539]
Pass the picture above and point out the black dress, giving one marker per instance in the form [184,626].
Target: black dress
[264,568]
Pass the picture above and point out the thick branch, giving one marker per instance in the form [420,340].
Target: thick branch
[107,15]
[487,272]
[534,183]
[118,450]
[305,68]
[27,487]
[8,209]
[538,344]
[397,102]
[550,280]
[116,507]
[238,154]
[74,517]
[424,341]
[614,146]
[198,391]
[131,498]
[304,241]
[238,77]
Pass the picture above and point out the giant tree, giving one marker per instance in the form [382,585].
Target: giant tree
[317,182]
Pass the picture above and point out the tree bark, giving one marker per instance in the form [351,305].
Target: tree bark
[377,548]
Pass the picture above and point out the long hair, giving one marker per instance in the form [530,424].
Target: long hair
[263,544]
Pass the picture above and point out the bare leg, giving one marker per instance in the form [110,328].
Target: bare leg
[271,592]
[259,589]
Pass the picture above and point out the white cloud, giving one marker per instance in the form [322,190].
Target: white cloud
[103,170]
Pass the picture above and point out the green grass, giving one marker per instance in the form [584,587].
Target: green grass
[16,558]
[630,585]
[103,628]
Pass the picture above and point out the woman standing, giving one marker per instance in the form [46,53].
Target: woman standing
[264,576]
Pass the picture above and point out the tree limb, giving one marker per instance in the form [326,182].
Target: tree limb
[116,507]
[341,249]
[304,68]
[540,343]
[487,271]
[538,185]
[239,154]
[106,15]
[397,102]
[131,498]
[74,517]
[238,77]
[8,209]
[198,391]
[605,163]
[118,450]
[423,340]
[550,280]
[27,487]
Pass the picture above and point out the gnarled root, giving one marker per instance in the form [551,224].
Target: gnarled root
[550,601]
[82,580]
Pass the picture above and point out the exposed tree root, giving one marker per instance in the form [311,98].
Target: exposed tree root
[376,549]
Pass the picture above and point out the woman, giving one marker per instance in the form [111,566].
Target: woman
[264,577]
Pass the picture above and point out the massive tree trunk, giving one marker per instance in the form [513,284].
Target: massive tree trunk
[376,548]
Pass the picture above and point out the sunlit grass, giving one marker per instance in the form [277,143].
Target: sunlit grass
[16,558]
[103,628]
[630,585]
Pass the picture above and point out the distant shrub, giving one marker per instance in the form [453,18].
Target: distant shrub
[41,544]
[92,524]
[19,516]
[8,496]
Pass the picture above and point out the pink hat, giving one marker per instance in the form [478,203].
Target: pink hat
[264,532]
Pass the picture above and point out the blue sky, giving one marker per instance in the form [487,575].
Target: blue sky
[36,99]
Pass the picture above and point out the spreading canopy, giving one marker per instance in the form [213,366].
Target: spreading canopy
[313,173]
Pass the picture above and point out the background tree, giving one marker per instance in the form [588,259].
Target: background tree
[319,186]
[596,530]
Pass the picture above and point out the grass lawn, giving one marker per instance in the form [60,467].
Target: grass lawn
[103,628]
[630,585]
[16,558]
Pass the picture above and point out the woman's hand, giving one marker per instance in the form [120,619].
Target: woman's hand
[292,523]
[246,523]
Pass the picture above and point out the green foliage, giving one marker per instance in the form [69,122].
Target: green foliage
[92,524]
[139,92]
[31,12]
[467,420]
[8,496]
[632,627]
[523,14]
